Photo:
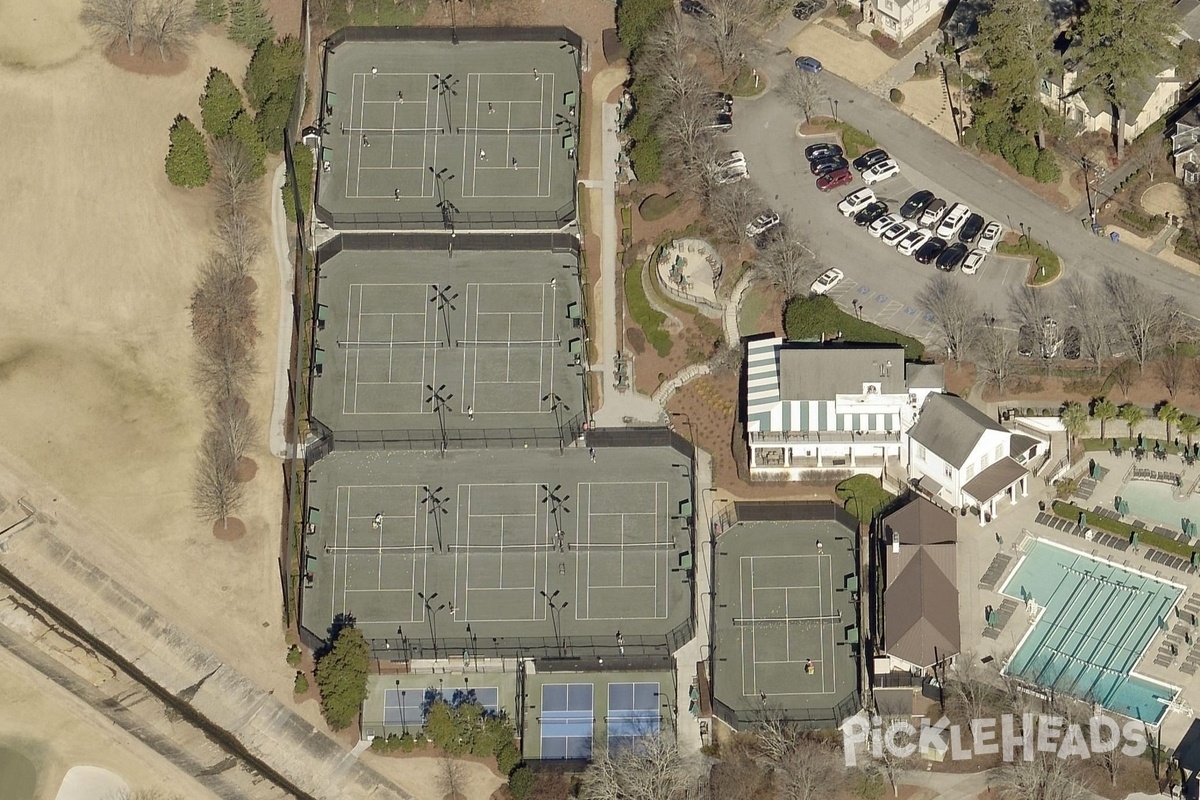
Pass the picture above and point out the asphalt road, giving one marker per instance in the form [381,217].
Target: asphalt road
[885,281]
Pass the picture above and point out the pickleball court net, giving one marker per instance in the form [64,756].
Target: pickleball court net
[741,621]
[429,343]
[349,131]
[626,546]
[502,548]
[532,343]
[511,131]
[385,550]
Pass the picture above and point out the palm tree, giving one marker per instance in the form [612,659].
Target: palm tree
[1075,420]
[1104,410]
[1132,416]
[1188,425]
[1169,414]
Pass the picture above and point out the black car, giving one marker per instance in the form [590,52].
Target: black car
[952,256]
[930,250]
[871,213]
[722,122]
[1071,349]
[822,150]
[723,102]
[1025,337]
[870,159]
[695,8]
[916,203]
[823,166]
[971,229]
[806,8]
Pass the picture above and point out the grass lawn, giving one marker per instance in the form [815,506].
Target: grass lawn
[754,303]
[1042,257]
[647,317]
[809,317]
[864,497]
[1123,529]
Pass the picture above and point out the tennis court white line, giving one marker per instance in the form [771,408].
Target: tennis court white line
[354,327]
[383,529]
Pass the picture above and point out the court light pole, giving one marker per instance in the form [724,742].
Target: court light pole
[474,646]
[557,508]
[432,617]
[556,617]
[438,402]
[453,21]
[435,506]
[445,304]
[557,406]
[444,86]
[403,696]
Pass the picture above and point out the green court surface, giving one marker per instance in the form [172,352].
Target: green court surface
[427,134]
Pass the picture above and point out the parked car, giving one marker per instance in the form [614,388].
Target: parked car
[932,212]
[973,261]
[762,223]
[723,103]
[992,233]
[823,166]
[829,279]
[806,8]
[1071,349]
[731,175]
[951,257]
[870,159]
[808,64]
[832,180]
[916,203]
[822,150]
[952,223]
[930,250]
[722,123]
[694,8]
[913,242]
[881,172]
[893,235]
[734,158]
[880,225]
[971,228]
[871,213]
[1051,341]
[856,201]
[1025,337]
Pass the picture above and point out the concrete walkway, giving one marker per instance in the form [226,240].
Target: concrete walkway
[280,226]
[686,657]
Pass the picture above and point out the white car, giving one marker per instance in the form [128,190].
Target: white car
[952,223]
[761,224]
[735,158]
[974,261]
[856,201]
[881,172]
[880,225]
[829,279]
[990,236]
[895,234]
[933,212]
[913,241]
[732,175]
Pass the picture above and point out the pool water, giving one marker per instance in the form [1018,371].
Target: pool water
[1156,503]
[1096,620]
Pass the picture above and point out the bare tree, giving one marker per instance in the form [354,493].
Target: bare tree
[995,353]
[1088,312]
[688,144]
[956,312]
[240,240]
[1143,315]
[1037,309]
[452,778]
[216,490]
[730,32]
[1046,777]
[222,311]
[1172,370]
[113,21]
[804,767]
[233,174]
[224,365]
[1124,374]
[788,265]
[730,207]
[231,420]
[653,770]
[894,747]
[170,25]
[667,58]
[971,691]
[804,90]
[727,360]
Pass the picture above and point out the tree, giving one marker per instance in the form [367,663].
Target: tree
[805,768]
[1104,410]
[956,312]
[220,104]
[1133,416]
[666,69]
[1076,422]
[234,174]
[1188,425]
[730,31]
[804,90]
[1045,777]
[1124,374]
[1119,46]
[1088,311]
[216,491]
[302,156]
[271,122]
[1168,414]
[688,141]
[637,18]
[244,131]
[241,241]
[521,783]
[342,677]
[211,11]
[452,777]
[788,265]
[994,353]
[187,160]
[894,746]
[170,25]
[249,22]
[1015,42]
[654,770]
[1035,308]
[275,67]
[1144,316]
[732,206]
[1172,370]
[113,21]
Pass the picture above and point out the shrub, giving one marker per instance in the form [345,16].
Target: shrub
[920,70]
[1011,142]
[1025,159]
[644,315]
[301,685]
[884,42]
[896,96]
[407,743]
[293,656]
[637,18]
[342,678]
[520,783]
[971,137]
[657,206]
[646,158]
[303,158]
[845,10]
[187,159]
[1140,222]
[1046,170]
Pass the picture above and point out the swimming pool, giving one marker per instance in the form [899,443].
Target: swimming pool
[1156,502]
[1094,621]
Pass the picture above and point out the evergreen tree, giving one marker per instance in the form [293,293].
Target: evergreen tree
[211,11]
[275,67]
[220,103]
[342,678]
[271,121]
[1015,40]
[244,130]
[1120,46]
[303,158]
[636,19]
[249,22]
[187,160]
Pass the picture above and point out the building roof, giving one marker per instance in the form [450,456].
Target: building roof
[925,376]
[994,479]
[1020,444]
[920,620]
[815,371]
[950,427]
[963,21]
[921,522]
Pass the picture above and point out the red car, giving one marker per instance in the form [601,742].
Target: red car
[832,180]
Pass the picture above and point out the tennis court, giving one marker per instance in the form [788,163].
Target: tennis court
[420,340]
[425,134]
[515,544]
[1093,622]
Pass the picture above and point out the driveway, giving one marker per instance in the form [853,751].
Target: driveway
[856,59]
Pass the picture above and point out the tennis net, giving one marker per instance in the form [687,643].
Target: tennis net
[403,343]
[502,548]
[508,343]
[349,131]
[510,131]
[785,620]
[626,546]
[387,550]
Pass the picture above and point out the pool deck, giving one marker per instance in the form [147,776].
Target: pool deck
[986,556]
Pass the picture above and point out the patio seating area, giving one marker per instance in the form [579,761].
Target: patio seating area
[690,269]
